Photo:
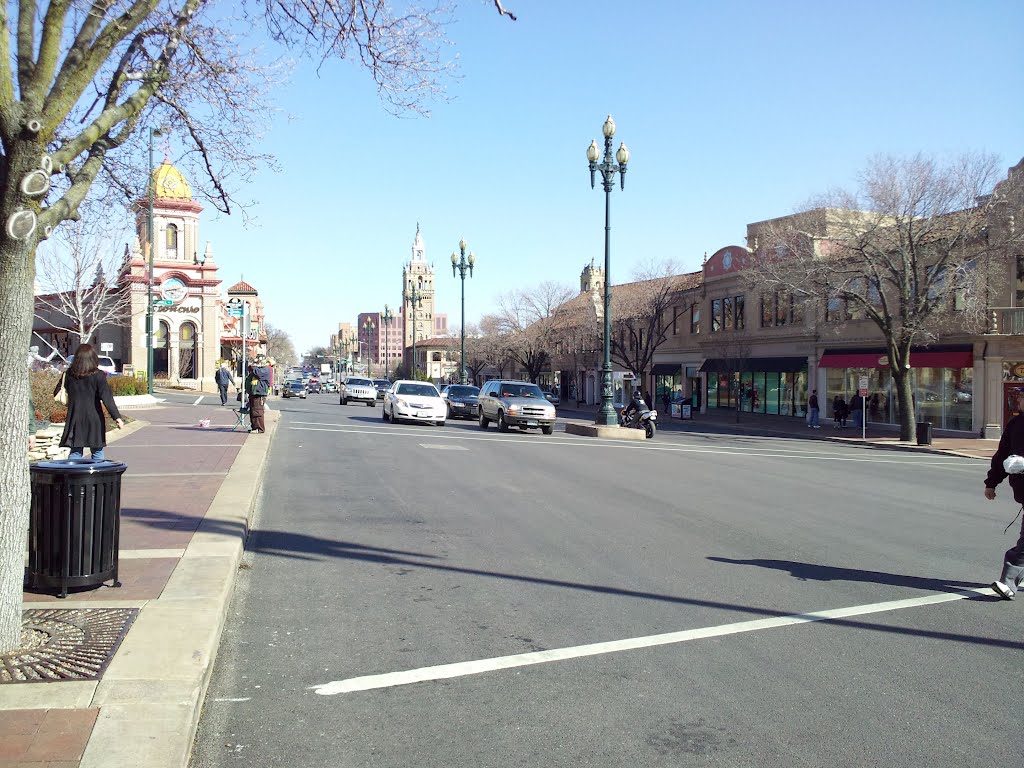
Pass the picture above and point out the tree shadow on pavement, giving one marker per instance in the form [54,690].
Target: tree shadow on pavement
[300,546]
[815,572]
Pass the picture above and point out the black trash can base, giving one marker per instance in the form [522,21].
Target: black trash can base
[924,433]
[74,524]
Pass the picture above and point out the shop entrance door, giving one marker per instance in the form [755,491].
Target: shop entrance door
[1011,393]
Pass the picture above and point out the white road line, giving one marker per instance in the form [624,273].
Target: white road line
[198,400]
[783,453]
[438,447]
[246,698]
[461,669]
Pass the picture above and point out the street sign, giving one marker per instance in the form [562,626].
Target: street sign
[235,301]
[107,346]
[162,302]
[236,311]
[863,386]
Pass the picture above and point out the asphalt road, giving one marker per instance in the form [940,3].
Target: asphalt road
[625,604]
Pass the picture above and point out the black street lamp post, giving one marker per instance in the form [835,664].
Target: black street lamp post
[368,327]
[415,302]
[385,319]
[460,264]
[149,284]
[608,168]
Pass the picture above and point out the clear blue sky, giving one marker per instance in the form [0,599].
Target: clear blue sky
[733,112]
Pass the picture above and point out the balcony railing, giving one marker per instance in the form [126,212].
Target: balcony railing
[1007,321]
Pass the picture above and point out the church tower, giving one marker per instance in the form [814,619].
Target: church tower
[419,274]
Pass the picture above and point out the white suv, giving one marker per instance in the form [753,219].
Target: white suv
[360,390]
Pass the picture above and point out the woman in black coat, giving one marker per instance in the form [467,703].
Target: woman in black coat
[87,388]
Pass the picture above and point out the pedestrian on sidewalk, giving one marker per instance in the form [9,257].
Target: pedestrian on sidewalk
[839,412]
[1008,461]
[665,400]
[857,409]
[812,410]
[223,377]
[257,387]
[88,391]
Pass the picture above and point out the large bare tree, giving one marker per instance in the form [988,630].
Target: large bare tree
[77,273]
[528,322]
[908,249]
[280,347]
[81,84]
[642,315]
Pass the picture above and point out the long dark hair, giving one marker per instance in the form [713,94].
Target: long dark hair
[85,362]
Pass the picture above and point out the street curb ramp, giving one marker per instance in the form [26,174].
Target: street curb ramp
[151,695]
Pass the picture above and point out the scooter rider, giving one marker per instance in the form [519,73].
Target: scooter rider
[637,405]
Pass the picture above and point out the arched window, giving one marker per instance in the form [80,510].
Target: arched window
[187,351]
[161,345]
[172,241]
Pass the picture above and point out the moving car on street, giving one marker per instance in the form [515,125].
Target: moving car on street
[294,388]
[382,385]
[414,401]
[360,390]
[516,404]
[463,400]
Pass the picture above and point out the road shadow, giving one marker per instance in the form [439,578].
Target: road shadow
[289,544]
[815,572]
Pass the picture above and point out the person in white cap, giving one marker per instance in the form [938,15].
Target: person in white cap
[1008,461]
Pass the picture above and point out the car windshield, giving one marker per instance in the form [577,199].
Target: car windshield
[295,385]
[358,383]
[381,383]
[420,390]
[461,391]
[521,390]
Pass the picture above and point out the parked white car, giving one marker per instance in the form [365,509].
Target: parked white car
[414,401]
[360,390]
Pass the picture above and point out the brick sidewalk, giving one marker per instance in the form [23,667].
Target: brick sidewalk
[175,471]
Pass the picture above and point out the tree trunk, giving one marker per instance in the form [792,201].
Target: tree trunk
[905,398]
[17,267]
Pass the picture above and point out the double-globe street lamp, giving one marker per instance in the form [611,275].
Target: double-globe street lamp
[415,299]
[608,168]
[459,267]
[153,132]
[385,318]
[368,328]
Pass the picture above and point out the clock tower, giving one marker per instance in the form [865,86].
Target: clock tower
[185,290]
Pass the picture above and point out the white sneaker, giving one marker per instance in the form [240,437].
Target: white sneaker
[1002,590]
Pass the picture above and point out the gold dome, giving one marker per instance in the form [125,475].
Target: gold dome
[169,183]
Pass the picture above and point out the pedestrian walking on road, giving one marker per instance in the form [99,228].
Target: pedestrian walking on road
[1008,461]
[257,386]
[223,377]
[88,391]
[813,410]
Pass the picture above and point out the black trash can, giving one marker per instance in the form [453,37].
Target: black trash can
[924,433]
[75,523]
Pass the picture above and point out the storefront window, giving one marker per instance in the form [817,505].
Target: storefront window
[772,392]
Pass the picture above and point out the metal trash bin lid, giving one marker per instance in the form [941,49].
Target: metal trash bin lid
[79,466]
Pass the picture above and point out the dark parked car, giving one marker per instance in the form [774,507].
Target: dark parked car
[294,389]
[463,400]
[382,385]
[313,387]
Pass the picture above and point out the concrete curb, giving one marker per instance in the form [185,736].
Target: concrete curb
[570,414]
[152,693]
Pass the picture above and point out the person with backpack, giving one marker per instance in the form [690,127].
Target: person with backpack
[257,387]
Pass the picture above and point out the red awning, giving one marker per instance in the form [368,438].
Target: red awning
[922,359]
